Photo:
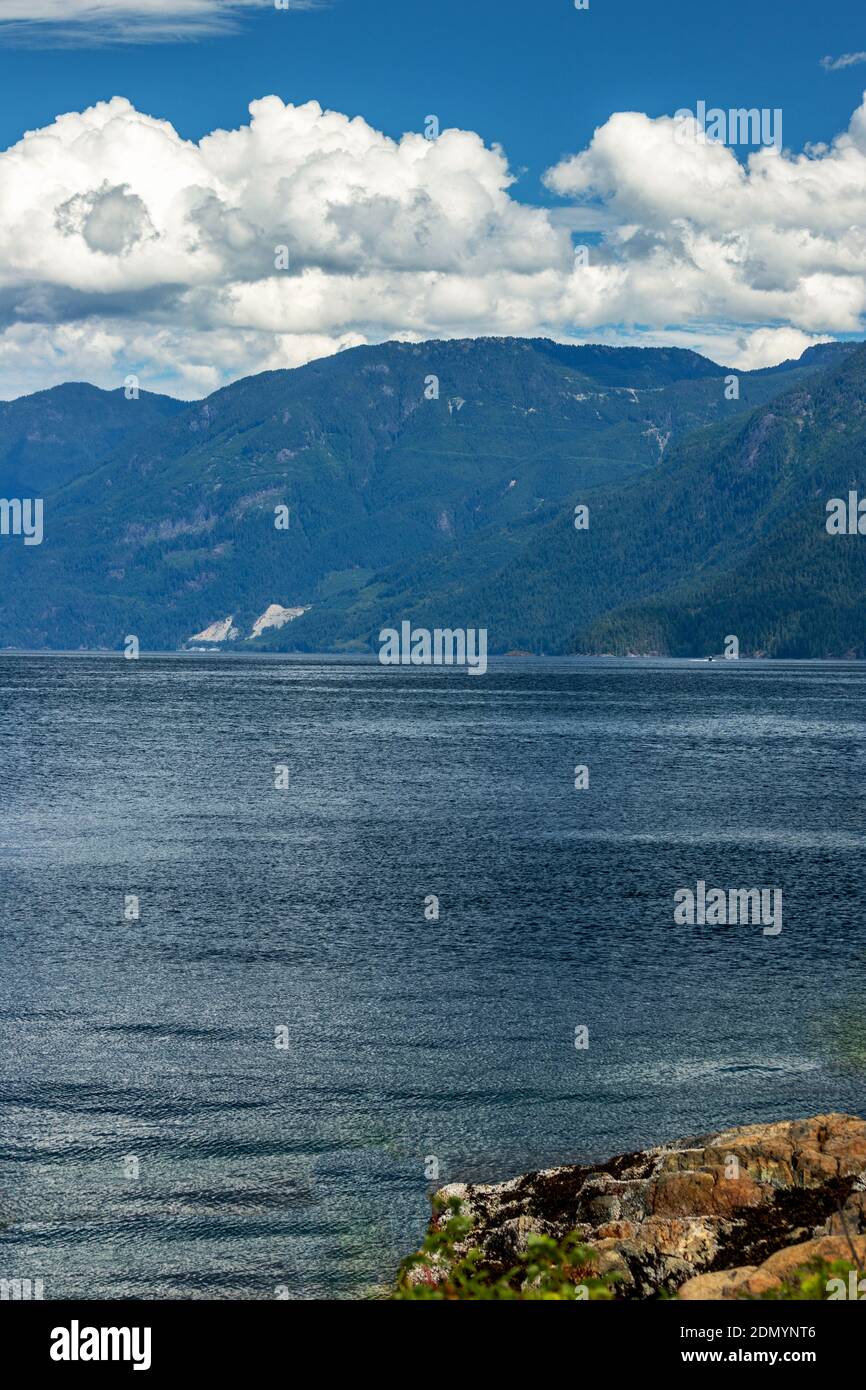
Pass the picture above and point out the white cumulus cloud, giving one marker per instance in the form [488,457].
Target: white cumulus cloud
[125,248]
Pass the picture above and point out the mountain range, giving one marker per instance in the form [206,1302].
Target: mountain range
[437,482]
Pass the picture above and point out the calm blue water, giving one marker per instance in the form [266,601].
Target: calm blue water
[407,1038]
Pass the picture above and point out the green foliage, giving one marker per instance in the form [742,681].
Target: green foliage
[547,1271]
[49,438]
[725,535]
[809,1283]
[752,509]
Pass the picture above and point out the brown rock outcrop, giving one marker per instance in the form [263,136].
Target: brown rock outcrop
[751,1282]
[722,1206]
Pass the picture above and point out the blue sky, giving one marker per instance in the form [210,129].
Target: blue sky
[538,76]
[537,79]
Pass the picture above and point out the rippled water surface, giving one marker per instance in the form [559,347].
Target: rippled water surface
[303,1168]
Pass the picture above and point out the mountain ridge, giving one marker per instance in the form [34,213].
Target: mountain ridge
[417,479]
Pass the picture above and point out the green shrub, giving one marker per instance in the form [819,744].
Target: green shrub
[547,1270]
[809,1283]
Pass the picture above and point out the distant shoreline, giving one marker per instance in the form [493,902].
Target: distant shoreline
[371,658]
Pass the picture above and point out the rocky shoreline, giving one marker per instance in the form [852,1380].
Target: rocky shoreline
[719,1216]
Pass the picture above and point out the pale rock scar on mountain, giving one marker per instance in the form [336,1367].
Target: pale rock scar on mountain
[224,630]
[220,631]
[275,615]
[662,440]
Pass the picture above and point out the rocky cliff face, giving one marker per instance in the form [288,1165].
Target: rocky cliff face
[708,1217]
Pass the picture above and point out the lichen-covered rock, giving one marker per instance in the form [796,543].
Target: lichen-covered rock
[719,1206]
[725,1283]
[751,1282]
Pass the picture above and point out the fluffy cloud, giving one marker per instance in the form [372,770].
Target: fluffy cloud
[124,248]
[779,239]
